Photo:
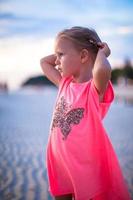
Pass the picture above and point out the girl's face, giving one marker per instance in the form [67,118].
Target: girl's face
[68,58]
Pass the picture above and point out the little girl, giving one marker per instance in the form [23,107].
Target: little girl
[81,162]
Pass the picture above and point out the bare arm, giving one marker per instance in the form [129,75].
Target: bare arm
[48,66]
[102,70]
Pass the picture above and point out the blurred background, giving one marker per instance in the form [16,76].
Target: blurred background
[27,32]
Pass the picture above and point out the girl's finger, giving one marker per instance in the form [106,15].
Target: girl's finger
[100,44]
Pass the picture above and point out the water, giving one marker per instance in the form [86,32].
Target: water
[24,123]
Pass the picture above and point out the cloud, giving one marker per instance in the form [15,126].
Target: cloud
[24,53]
[116,31]
[7,15]
[20,58]
[47,17]
[29,26]
[125,30]
[44,18]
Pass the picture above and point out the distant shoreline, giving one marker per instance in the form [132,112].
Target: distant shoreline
[123,91]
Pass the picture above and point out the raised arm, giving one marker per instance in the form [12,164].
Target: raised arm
[102,69]
[48,66]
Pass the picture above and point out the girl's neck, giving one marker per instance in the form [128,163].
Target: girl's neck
[83,76]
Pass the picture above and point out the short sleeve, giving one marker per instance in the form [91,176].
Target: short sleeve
[63,83]
[63,79]
[108,98]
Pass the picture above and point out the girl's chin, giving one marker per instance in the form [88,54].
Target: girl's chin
[65,75]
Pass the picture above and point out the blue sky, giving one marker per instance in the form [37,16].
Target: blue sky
[30,24]
[46,17]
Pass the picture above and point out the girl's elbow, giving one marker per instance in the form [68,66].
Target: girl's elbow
[103,71]
[42,61]
[109,72]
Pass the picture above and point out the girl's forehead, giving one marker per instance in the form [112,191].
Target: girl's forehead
[63,44]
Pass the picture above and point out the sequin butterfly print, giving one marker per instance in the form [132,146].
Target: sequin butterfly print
[65,117]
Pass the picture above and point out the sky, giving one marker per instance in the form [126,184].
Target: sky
[28,29]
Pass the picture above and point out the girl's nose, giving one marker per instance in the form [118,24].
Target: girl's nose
[57,62]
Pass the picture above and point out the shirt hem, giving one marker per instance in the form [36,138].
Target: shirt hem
[54,193]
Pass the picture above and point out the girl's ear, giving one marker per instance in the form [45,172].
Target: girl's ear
[84,55]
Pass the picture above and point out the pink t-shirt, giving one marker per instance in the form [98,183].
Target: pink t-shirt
[80,158]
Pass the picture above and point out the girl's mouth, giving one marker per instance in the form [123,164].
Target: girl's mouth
[59,69]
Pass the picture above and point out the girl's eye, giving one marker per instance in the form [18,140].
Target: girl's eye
[60,54]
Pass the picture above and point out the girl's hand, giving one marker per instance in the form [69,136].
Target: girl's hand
[48,65]
[49,59]
[103,47]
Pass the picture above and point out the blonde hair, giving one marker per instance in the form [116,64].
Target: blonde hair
[82,38]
